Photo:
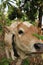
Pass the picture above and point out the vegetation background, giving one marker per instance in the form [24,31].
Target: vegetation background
[22,10]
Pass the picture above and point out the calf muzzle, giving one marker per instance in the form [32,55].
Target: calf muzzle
[38,47]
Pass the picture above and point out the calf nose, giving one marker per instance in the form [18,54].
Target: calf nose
[37,46]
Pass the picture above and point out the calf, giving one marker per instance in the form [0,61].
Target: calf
[24,41]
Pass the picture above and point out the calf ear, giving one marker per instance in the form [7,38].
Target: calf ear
[6,29]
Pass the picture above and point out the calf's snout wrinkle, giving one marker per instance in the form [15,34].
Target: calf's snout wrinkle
[14,49]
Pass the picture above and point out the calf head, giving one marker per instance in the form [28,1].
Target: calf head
[24,39]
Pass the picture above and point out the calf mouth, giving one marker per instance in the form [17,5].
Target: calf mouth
[38,47]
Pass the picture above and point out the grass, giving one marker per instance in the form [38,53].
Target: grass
[38,36]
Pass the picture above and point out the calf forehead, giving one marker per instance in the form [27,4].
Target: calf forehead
[27,24]
[28,27]
[19,24]
[24,25]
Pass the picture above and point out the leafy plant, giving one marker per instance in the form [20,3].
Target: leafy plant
[25,62]
[5,61]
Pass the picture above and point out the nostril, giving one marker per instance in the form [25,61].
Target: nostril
[37,46]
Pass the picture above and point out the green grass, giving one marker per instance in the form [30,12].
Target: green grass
[38,36]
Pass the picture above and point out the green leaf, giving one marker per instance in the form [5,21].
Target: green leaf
[6,63]
[38,36]
[26,62]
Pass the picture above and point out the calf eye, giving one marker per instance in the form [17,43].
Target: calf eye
[20,32]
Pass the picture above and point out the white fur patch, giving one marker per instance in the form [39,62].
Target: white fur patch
[16,23]
[21,29]
[13,25]
[27,24]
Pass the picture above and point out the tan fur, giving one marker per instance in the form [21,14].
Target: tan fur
[25,41]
